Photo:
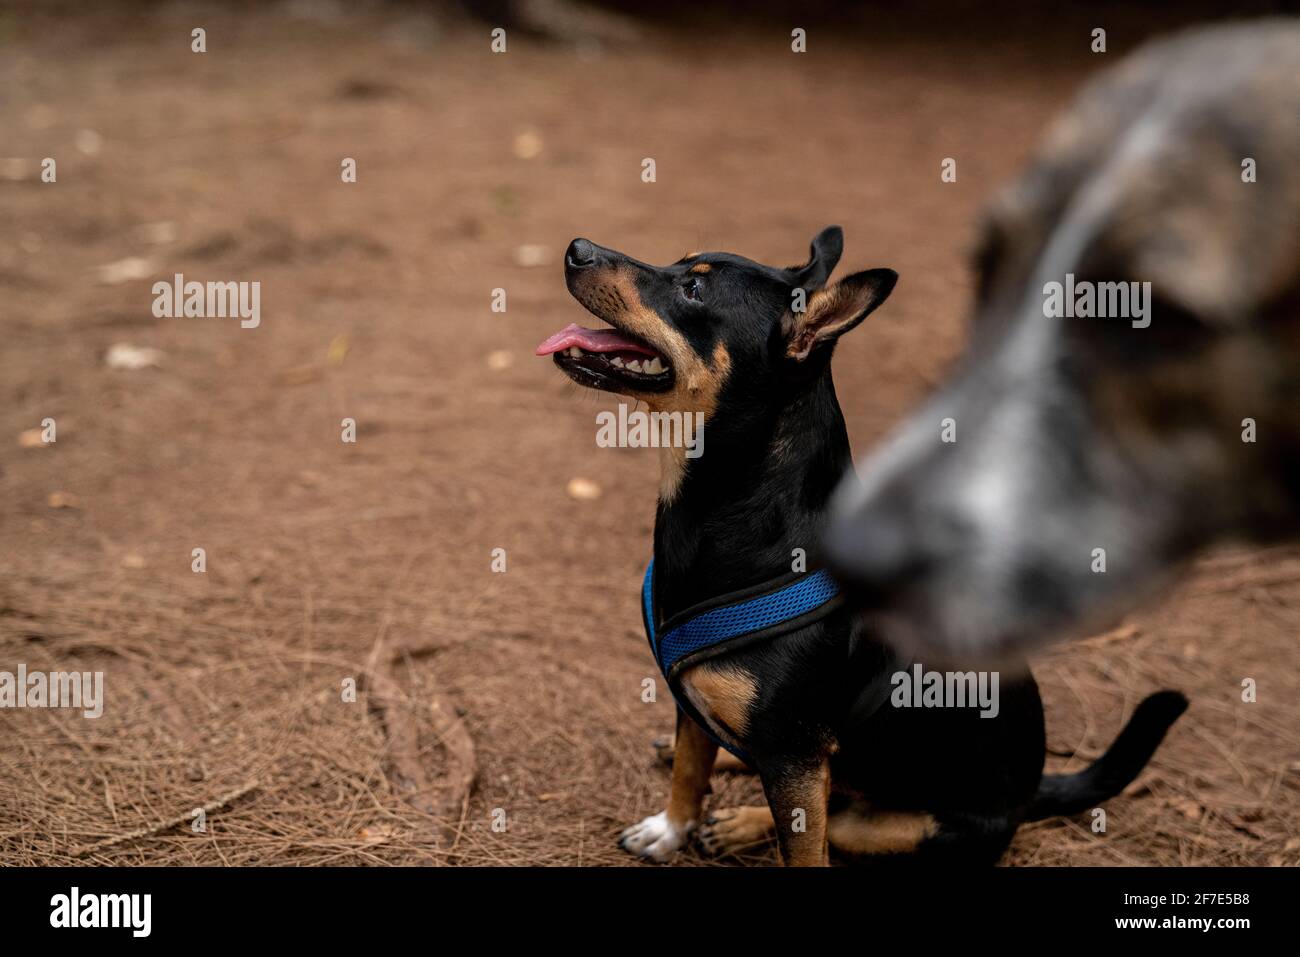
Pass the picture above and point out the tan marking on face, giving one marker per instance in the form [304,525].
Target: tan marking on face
[705,385]
[857,830]
[701,268]
[672,468]
[614,297]
[724,695]
[698,252]
[672,459]
[611,294]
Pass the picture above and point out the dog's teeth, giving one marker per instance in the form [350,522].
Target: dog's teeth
[654,366]
[575,352]
[616,361]
[634,365]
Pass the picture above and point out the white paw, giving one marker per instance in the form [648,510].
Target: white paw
[655,837]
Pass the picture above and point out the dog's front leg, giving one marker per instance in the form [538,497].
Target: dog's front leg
[659,836]
[798,794]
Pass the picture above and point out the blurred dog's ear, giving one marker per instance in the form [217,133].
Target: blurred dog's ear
[827,247]
[833,311]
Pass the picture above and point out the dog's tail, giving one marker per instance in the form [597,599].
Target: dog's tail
[1064,794]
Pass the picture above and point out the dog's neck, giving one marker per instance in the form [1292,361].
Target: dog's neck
[734,517]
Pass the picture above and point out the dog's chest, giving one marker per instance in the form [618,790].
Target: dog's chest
[694,648]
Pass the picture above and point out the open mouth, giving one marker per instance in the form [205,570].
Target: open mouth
[608,359]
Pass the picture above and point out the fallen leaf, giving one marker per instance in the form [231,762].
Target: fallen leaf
[89,142]
[33,439]
[583,489]
[528,145]
[123,355]
[132,560]
[500,359]
[125,270]
[376,833]
[63,500]
[301,375]
[1186,807]
[506,200]
[338,350]
[531,254]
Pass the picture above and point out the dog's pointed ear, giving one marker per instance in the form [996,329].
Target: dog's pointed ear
[833,311]
[827,247]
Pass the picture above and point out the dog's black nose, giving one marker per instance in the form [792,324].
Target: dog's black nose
[581,253]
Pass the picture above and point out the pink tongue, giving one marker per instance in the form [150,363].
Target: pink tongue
[592,340]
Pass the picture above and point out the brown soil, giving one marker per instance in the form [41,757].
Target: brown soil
[375,299]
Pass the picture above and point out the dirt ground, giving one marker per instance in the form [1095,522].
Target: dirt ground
[226,689]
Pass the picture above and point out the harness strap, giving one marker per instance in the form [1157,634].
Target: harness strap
[702,631]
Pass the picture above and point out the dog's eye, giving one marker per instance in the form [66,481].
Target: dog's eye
[692,289]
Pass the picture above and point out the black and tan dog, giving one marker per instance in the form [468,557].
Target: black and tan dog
[1143,442]
[721,335]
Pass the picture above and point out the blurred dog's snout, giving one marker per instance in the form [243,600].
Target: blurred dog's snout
[874,551]
[581,253]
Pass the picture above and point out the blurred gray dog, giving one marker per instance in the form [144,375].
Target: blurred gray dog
[1128,442]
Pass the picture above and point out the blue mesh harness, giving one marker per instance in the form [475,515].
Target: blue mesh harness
[728,621]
